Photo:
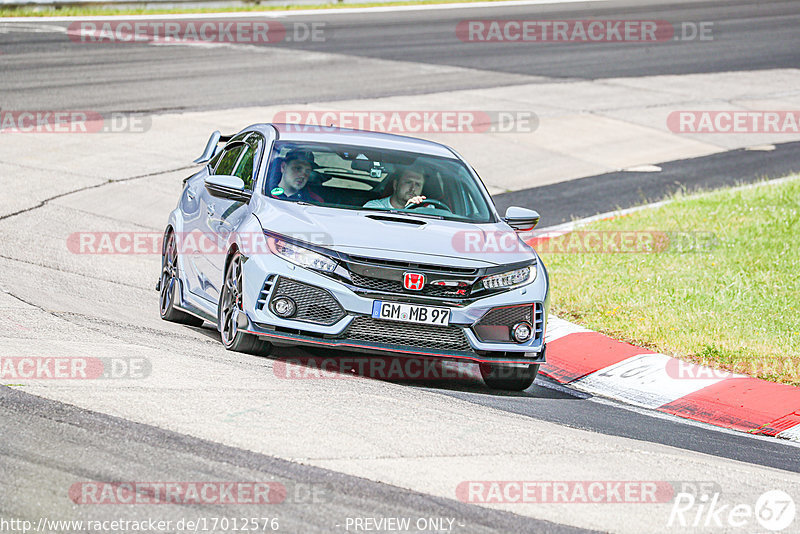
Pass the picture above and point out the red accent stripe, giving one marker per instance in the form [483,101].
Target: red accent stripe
[577,355]
[741,403]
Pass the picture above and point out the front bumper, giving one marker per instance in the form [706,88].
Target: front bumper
[352,327]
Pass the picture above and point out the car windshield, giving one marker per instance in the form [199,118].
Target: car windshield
[358,178]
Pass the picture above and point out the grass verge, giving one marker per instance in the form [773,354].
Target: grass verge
[713,279]
[89,11]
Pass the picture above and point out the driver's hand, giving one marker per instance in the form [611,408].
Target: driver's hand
[416,200]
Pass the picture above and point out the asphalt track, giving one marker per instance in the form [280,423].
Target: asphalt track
[371,55]
[47,445]
[315,499]
[585,197]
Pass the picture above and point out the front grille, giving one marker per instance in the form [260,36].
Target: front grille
[462,271]
[395,286]
[496,325]
[421,336]
[314,304]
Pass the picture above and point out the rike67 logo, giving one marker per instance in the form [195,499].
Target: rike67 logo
[773,511]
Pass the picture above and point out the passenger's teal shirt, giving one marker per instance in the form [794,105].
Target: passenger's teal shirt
[380,203]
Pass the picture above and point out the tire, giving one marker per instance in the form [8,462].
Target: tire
[230,305]
[169,285]
[507,378]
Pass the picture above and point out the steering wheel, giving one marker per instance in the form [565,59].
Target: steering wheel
[432,201]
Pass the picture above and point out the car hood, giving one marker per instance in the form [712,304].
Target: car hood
[398,237]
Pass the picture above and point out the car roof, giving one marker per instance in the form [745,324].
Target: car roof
[330,134]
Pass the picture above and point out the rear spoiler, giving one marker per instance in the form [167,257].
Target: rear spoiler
[211,147]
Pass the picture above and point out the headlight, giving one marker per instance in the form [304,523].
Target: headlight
[511,278]
[300,256]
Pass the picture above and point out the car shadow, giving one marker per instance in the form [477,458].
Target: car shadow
[412,371]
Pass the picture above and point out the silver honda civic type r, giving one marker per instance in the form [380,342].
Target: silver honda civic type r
[368,242]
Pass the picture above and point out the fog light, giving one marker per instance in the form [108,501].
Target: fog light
[284,307]
[521,332]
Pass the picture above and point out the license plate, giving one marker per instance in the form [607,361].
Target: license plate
[410,313]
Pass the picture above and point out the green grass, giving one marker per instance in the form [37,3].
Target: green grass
[734,304]
[88,11]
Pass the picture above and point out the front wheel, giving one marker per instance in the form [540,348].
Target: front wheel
[229,310]
[508,378]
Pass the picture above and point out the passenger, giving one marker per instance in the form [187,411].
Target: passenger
[406,189]
[295,172]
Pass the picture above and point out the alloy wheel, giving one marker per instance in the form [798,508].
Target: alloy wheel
[231,300]
[169,273]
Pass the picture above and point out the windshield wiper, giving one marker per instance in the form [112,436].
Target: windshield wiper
[426,215]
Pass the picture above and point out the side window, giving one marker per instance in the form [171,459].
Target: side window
[229,158]
[244,169]
[213,163]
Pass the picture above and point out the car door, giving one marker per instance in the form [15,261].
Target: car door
[206,236]
[193,210]
[225,216]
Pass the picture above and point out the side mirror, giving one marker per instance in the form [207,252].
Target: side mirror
[521,219]
[227,186]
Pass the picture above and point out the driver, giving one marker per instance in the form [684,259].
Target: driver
[406,189]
